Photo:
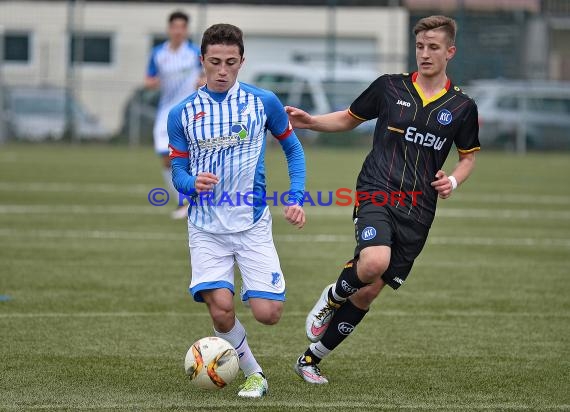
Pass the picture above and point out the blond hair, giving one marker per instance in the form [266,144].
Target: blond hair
[444,23]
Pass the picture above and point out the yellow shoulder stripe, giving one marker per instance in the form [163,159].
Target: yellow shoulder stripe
[464,151]
[356,116]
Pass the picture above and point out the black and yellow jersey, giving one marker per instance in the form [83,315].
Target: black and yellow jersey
[412,138]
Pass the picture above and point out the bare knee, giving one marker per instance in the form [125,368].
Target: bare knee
[373,262]
[221,308]
[222,317]
[267,312]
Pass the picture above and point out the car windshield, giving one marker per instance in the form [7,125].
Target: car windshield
[37,104]
[341,93]
[43,104]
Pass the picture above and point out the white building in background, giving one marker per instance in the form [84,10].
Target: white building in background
[118,38]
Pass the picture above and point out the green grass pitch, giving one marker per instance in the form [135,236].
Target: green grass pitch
[95,314]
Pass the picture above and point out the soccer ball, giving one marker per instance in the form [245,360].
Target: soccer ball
[211,363]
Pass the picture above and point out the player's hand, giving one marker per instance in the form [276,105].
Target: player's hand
[295,215]
[205,182]
[299,119]
[442,184]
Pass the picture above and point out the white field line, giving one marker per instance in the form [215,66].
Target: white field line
[478,264]
[459,213]
[143,209]
[380,313]
[371,404]
[516,198]
[144,188]
[321,238]
[345,212]
[62,187]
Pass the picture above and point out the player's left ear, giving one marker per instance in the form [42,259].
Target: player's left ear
[450,52]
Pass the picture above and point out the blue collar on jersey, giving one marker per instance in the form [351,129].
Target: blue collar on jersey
[216,95]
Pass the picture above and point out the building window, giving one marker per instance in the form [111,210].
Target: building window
[91,48]
[16,47]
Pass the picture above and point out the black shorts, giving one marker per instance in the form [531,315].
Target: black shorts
[385,226]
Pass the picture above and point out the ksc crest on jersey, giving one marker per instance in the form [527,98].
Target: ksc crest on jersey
[444,117]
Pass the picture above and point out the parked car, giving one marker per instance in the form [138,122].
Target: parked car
[522,114]
[314,90]
[139,114]
[39,113]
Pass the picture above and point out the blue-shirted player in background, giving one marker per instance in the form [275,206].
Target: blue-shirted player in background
[217,145]
[174,67]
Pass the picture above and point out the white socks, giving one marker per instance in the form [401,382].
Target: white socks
[237,338]
[319,350]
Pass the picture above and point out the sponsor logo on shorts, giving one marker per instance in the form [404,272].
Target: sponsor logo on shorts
[399,280]
[345,328]
[275,276]
[368,233]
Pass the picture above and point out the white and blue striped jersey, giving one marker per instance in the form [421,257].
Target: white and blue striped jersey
[225,134]
[178,71]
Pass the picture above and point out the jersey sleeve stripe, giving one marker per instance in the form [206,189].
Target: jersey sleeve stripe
[395,129]
[356,116]
[286,133]
[173,153]
[464,151]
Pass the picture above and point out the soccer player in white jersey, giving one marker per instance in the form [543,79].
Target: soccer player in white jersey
[174,67]
[217,144]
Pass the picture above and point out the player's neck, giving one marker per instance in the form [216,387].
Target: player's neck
[431,85]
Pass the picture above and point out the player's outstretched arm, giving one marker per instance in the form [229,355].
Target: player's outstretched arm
[331,122]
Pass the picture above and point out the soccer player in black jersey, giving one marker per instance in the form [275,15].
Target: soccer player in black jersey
[420,116]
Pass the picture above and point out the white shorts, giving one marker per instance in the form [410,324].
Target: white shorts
[160,132]
[213,256]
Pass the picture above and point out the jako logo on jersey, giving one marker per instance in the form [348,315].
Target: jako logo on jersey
[444,117]
[427,140]
[199,115]
[404,103]
[368,233]
[345,328]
